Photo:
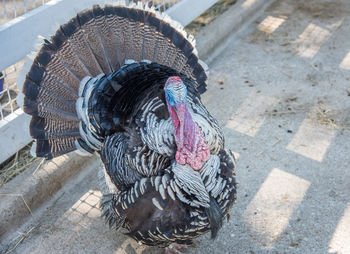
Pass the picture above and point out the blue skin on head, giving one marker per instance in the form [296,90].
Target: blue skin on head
[191,146]
[170,97]
[175,92]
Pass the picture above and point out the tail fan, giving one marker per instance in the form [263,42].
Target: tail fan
[97,41]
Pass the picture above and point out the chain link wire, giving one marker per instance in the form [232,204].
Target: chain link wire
[10,9]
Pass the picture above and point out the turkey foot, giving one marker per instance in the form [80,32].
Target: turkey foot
[174,248]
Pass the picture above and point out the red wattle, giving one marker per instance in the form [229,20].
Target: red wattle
[191,146]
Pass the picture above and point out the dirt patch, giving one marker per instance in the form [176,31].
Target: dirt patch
[320,10]
[288,106]
[260,37]
[319,113]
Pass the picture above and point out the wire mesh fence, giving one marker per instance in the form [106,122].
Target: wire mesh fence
[9,89]
[10,9]
[160,5]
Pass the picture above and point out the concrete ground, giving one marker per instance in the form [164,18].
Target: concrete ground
[281,90]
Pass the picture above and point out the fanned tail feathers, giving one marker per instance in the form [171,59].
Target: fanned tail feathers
[97,41]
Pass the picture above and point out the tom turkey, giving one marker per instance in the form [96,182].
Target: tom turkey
[126,82]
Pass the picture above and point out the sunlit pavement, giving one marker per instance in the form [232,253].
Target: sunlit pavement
[281,91]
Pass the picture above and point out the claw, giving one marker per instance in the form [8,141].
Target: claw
[174,248]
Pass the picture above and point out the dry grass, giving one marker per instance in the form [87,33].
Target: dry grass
[19,239]
[164,6]
[323,115]
[209,16]
[16,164]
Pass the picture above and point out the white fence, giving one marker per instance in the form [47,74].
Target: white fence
[18,34]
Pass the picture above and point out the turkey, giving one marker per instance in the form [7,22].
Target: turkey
[125,82]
